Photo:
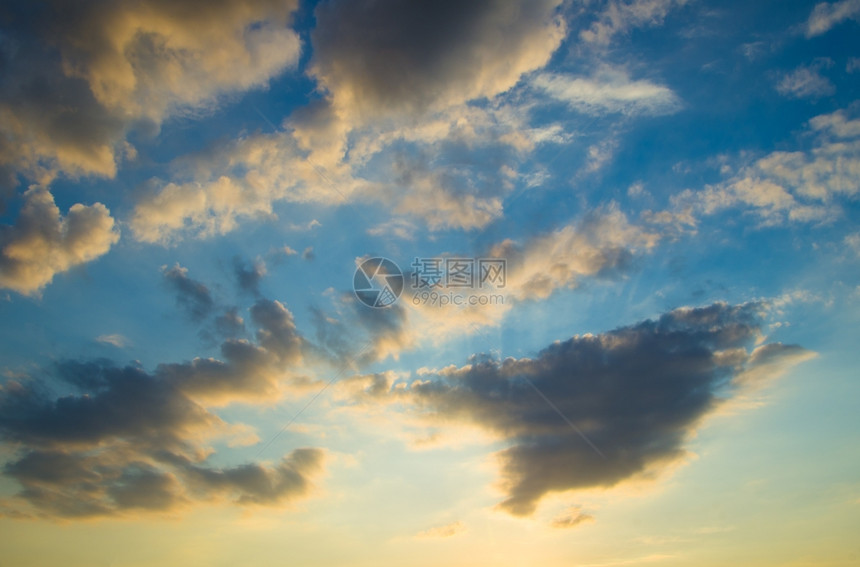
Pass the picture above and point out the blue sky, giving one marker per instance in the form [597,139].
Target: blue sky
[666,376]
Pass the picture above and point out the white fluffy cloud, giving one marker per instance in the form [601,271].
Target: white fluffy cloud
[43,243]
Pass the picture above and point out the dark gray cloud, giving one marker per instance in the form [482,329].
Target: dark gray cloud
[61,484]
[636,394]
[249,275]
[121,438]
[255,484]
[118,403]
[230,324]
[277,330]
[191,295]
[410,55]
[49,119]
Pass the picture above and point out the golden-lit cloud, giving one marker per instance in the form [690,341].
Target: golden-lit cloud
[790,187]
[423,95]
[119,66]
[44,243]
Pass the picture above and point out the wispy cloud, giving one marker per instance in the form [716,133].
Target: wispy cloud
[806,82]
[115,339]
[571,518]
[609,91]
[826,15]
[448,530]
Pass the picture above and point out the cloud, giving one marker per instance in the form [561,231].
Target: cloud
[124,403]
[571,518]
[193,296]
[609,91]
[80,76]
[390,56]
[798,187]
[805,82]
[60,484]
[406,114]
[249,276]
[630,398]
[619,16]
[826,15]
[246,372]
[257,484]
[230,324]
[207,208]
[43,243]
[602,243]
[459,159]
[448,530]
[443,197]
[114,339]
[120,438]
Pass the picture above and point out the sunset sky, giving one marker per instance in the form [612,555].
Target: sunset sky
[666,374]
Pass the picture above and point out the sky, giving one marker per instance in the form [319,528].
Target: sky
[387,282]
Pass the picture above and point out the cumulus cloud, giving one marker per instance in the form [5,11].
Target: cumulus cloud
[622,403]
[122,438]
[410,56]
[826,15]
[459,160]
[80,75]
[92,438]
[608,91]
[422,71]
[43,243]
[258,484]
